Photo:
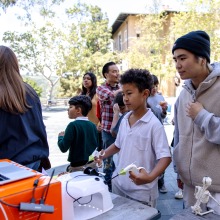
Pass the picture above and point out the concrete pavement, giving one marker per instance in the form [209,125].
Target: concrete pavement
[167,204]
[56,120]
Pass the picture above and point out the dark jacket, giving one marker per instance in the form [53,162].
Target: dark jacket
[23,137]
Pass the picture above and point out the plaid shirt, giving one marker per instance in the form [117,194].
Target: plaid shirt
[106,98]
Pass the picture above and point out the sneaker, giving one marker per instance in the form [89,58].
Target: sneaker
[179,194]
[163,189]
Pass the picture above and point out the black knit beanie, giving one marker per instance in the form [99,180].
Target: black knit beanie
[197,42]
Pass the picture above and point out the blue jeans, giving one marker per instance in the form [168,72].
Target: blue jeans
[109,165]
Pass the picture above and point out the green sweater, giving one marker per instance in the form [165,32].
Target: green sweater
[81,139]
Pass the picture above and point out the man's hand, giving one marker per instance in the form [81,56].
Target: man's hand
[116,108]
[117,91]
[99,127]
[193,108]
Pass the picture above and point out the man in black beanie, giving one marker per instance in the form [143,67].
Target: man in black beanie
[197,117]
[197,42]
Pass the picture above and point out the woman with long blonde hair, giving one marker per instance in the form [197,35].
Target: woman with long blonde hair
[23,136]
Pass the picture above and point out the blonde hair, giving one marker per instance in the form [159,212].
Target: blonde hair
[12,87]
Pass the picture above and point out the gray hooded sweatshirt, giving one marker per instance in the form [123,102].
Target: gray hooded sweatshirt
[197,142]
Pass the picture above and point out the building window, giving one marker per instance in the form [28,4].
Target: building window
[138,35]
[125,35]
[119,43]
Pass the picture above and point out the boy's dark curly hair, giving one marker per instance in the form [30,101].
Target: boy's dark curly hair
[119,99]
[140,77]
[83,102]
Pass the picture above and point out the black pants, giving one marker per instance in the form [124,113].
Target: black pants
[161,181]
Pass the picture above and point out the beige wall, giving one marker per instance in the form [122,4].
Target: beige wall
[127,32]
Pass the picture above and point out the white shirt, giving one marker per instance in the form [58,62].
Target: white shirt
[142,144]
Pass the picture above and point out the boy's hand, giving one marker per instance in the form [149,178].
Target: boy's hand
[141,178]
[164,106]
[99,158]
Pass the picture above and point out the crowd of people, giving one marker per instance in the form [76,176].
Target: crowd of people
[124,116]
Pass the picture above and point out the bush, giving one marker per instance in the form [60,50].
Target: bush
[34,85]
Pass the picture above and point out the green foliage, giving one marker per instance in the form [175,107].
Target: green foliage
[201,15]
[28,5]
[89,39]
[40,48]
[65,51]
[159,30]
[34,85]
[40,51]
[151,51]
[7,3]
